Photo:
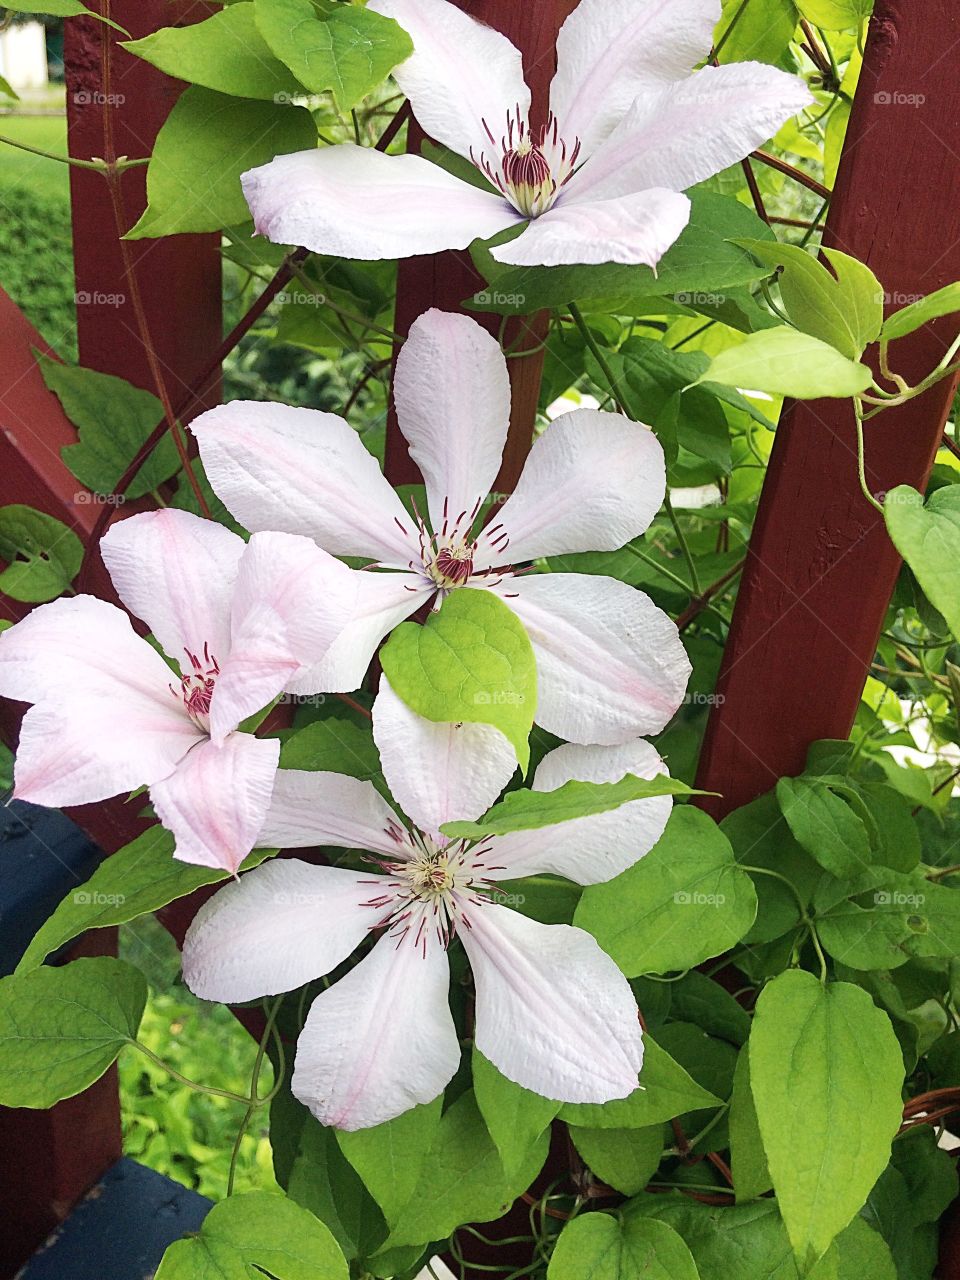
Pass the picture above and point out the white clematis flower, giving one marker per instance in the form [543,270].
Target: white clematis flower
[610,664]
[553,1011]
[110,715]
[629,129]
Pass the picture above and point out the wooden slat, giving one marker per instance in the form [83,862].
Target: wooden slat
[821,569]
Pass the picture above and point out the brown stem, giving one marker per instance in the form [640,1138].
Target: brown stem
[700,602]
[791,171]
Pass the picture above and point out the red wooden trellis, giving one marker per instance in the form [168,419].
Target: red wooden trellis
[820,569]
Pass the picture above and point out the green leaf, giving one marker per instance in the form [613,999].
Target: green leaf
[597,1246]
[7,89]
[665,1091]
[463,1179]
[836,15]
[701,1000]
[825,826]
[113,419]
[843,307]
[861,1252]
[258,1233]
[748,1161]
[63,9]
[333,745]
[390,1157]
[141,877]
[887,919]
[43,556]
[341,47]
[928,538]
[686,901]
[471,662]
[785,362]
[226,53]
[60,1029]
[943,302]
[527,810]
[515,1117]
[206,142]
[826,1073]
[703,260]
[761,34]
[625,1159]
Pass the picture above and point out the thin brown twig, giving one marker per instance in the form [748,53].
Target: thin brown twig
[700,602]
[791,171]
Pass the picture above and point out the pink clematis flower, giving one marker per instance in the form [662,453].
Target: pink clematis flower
[610,664]
[629,129]
[110,715]
[553,1011]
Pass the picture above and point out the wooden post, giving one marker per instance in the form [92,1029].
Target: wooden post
[820,570]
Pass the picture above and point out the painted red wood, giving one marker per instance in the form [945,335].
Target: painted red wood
[443,280]
[821,569]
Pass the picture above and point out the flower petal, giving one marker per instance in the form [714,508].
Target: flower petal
[452,394]
[355,202]
[554,1013]
[608,51]
[280,467]
[461,73]
[314,807]
[85,747]
[291,601]
[176,572]
[281,925]
[610,664]
[383,600]
[216,801]
[635,228]
[439,772]
[680,135]
[593,481]
[588,850]
[381,1040]
[80,644]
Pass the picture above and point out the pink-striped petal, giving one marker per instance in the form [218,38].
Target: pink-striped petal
[320,808]
[383,600]
[610,664]
[84,746]
[279,467]
[608,51]
[460,74]
[80,645]
[439,772]
[291,601]
[355,202]
[453,403]
[593,481]
[634,229]
[379,1041]
[216,800]
[587,850]
[282,925]
[680,135]
[553,1013]
[176,572]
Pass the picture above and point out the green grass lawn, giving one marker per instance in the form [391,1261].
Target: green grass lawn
[36,257]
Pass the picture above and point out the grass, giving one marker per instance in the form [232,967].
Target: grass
[36,256]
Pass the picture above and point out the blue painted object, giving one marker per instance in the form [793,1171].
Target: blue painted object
[120,1229]
[43,857]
